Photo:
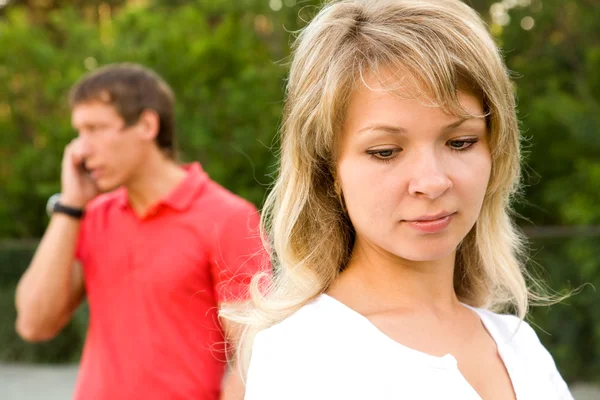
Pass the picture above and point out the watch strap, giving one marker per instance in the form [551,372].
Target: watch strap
[70,211]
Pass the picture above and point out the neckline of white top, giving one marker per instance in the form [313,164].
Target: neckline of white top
[447,361]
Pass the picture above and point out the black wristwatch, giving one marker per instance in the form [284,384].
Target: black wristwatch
[54,206]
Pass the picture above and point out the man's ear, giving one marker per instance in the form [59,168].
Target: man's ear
[148,125]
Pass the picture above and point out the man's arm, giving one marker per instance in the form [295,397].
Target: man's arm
[52,287]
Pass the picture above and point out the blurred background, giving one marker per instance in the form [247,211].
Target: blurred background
[227,61]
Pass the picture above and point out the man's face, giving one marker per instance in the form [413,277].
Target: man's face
[112,151]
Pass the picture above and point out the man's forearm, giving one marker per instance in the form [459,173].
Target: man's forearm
[45,291]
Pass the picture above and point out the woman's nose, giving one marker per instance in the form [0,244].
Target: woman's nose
[429,178]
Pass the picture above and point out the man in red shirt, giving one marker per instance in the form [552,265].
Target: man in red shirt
[155,253]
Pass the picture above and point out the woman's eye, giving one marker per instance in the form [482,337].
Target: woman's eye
[383,154]
[461,144]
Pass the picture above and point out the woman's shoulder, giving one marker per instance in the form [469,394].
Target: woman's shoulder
[317,328]
[299,348]
[309,323]
[508,329]
[505,326]
[517,337]
[519,344]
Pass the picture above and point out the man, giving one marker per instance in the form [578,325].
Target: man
[155,253]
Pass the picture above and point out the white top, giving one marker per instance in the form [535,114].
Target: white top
[327,351]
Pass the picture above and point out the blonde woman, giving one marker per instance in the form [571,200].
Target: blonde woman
[389,221]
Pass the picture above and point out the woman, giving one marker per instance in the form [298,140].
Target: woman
[389,221]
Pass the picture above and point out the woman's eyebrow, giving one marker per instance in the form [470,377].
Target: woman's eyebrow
[397,130]
[460,121]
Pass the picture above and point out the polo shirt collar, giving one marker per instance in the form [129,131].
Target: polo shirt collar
[181,197]
[122,201]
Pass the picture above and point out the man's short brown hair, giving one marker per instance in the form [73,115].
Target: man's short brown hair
[131,89]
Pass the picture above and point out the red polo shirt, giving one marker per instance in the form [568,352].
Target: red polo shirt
[153,285]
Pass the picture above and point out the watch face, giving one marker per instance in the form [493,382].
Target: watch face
[51,203]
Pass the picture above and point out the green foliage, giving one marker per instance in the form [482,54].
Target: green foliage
[558,88]
[571,329]
[556,67]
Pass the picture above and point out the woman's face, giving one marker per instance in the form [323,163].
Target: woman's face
[413,177]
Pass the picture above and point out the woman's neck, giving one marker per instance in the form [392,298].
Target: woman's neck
[375,279]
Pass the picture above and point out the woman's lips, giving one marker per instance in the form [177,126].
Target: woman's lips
[431,226]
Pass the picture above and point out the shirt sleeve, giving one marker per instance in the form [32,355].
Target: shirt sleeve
[238,254]
[547,364]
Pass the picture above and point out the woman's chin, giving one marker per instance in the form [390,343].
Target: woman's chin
[425,252]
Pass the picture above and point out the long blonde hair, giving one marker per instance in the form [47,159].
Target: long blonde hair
[444,45]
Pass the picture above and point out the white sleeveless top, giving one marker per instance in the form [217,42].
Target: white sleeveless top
[327,351]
